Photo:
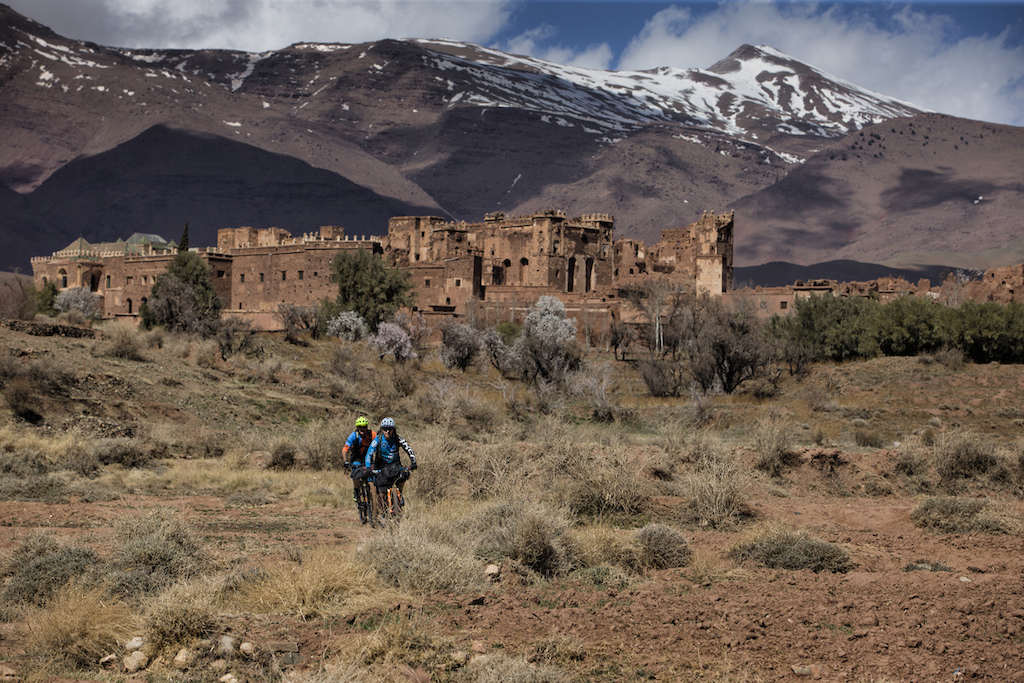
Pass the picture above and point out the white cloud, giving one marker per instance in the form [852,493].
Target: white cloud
[901,52]
[534,44]
[259,25]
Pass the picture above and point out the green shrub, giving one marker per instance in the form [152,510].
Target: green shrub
[949,514]
[781,548]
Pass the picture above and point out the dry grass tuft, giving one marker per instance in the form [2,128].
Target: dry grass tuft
[773,444]
[717,483]
[326,582]
[961,454]
[81,624]
[181,615]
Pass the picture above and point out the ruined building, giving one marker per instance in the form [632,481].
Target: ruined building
[495,268]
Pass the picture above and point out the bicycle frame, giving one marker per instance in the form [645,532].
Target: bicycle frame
[388,503]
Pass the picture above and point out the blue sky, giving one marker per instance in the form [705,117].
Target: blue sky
[964,59]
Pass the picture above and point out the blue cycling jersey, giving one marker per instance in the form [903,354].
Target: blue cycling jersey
[385,451]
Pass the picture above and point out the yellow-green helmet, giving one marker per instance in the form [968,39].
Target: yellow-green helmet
[362,422]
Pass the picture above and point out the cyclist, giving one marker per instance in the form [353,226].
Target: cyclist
[353,453]
[384,456]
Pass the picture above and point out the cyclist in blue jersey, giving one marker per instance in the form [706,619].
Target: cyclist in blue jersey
[384,455]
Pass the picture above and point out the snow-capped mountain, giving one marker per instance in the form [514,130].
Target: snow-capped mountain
[102,142]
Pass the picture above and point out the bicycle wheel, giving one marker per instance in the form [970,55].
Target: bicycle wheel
[396,506]
[372,508]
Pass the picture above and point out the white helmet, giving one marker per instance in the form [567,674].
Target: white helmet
[387,422]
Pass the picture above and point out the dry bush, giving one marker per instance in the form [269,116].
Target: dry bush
[592,481]
[961,454]
[662,547]
[322,441]
[529,532]
[324,583]
[912,460]
[411,643]
[821,392]
[74,452]
[121,340]
[705,569]
[81,625]
[283,452]
[779,547]
[39,566]
[181,615]
[127,453]
[20,397]
[602,546]
[868,438]
[717,483]
[556,651]
[206,353]
[154,549]
[421,556]
[773,444]
[952,515]
[500,668]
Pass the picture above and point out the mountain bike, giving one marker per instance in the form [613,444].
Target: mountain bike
[389,504]
[365,501]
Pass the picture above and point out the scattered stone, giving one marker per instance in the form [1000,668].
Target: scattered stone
[7,673]
[228,678]
[812,670]
[134,644]
[226,645]
[283,647]
[220,664]
[184,659]
[108,662]
[247,649]
[136,661]
[492,572]
[414,675]
[478,646]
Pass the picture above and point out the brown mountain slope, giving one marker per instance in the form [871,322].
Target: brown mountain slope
[931,189]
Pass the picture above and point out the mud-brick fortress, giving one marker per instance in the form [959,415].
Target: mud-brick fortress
[495,269]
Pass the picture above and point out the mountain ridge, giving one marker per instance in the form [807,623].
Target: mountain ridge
[457,130]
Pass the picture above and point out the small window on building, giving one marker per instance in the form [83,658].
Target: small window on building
[241,278]
[416,258]
[220,273]
[129,280]
[108,282]
[783,305]
[426,282]
[423,233]
[284,275]
[302,275]
[458,282]
[239,305]
[261,277]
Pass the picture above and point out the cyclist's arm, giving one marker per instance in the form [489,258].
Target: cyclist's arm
[371,452]
[408,449]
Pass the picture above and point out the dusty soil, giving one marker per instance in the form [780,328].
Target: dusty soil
[917,605]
